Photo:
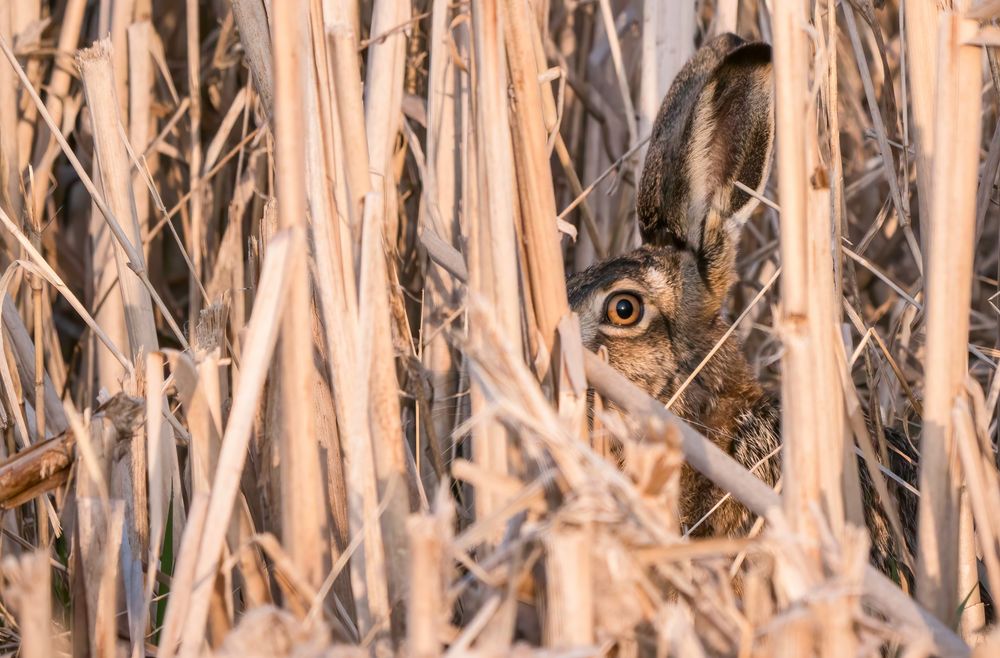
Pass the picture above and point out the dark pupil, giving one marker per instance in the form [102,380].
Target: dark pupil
[624,309]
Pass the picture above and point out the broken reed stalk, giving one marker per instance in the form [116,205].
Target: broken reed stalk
[302,506]
[187,610]
[135,260]
[116,183]
[957,129]
[30,469]
[115,175]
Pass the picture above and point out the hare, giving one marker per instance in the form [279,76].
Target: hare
[658,310]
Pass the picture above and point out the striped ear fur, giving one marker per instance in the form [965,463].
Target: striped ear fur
[715,127]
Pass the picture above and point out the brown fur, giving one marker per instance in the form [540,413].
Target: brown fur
[715,127]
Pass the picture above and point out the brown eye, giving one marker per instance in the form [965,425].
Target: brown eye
[623,309]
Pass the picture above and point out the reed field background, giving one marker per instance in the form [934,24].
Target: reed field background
[288,367]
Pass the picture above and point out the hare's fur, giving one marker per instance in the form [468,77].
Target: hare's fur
[715,127]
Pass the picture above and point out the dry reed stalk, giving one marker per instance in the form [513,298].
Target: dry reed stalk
[141,94]
[544,276]
[570,591]
[58,86]
[727,16]
[10,177]
[334,289]
[98,77]
[100,525]
[303,515]
[161,465]
[384,409]
[972,618]
[197,234]
[492,245]
[26,16]
[950,260]
[255,37]
[668,31]
[53,279]
[106,299]
[426,596]
[116,183]
[384,81]
[321,202]
[106,295]
[922,44]
[135,260]
[182,583]
[121,17]
[364,475]
[836,173]
[981,486]
[811,429]
[615,50]
[350,343]
[27,583]
[201,391]
[430,535]
[201,561]
[37,290]
[30,468]
[441,201]
[350,109]
[834,459]
[334,280]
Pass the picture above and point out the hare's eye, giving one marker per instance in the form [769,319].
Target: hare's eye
[623,309]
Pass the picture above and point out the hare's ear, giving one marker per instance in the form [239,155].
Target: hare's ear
[716,127]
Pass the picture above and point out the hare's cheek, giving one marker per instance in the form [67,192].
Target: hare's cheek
[590,332]
[647,367]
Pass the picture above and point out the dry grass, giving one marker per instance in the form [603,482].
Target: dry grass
[288,367]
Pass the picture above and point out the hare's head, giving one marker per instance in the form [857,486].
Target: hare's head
[657,309]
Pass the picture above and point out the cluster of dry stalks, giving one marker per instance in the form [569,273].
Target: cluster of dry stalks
[288,367]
